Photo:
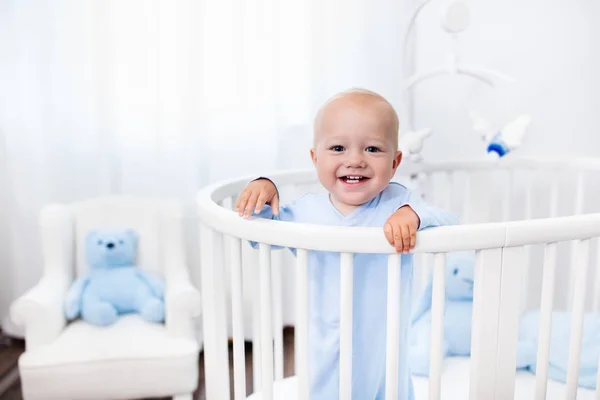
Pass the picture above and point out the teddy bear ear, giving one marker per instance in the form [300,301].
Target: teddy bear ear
[132,235]
[91,235]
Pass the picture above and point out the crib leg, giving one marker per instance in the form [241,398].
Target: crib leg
[183,397]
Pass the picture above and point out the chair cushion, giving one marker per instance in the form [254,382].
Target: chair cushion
[129,359]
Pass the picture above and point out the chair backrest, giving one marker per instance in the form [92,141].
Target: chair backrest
[145,216]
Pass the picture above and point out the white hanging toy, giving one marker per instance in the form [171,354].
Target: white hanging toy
[501,142]
[455,18]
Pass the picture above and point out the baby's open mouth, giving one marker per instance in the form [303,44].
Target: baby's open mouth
[353,178]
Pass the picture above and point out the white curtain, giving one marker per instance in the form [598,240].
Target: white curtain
[163,97]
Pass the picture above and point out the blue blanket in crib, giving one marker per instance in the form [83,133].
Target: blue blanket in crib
[457,330]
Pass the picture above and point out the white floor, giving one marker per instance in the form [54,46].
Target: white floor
[455,385]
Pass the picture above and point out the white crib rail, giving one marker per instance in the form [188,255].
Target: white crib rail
[472,201]
[500,247]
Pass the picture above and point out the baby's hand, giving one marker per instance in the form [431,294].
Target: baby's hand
[255,195]
[401,229]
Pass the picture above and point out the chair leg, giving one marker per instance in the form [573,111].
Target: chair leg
[183,397]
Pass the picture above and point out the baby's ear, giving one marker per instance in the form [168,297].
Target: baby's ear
[397,159]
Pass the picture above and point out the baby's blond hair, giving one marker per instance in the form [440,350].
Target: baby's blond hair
[366,93]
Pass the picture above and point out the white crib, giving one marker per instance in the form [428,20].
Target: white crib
[522,217]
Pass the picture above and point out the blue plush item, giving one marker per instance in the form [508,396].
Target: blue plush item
[114,285]
[457,315]
[559,346]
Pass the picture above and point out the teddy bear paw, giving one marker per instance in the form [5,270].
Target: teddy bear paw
[100,313]
[71,309]
[419,361]
[153,310]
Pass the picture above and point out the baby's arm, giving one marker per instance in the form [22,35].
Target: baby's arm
[412,215]
[255,196]
[429,215]
[260,198]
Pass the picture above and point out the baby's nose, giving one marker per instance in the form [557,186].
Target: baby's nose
[355,161]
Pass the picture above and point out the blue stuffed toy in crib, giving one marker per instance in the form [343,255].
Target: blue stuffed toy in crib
[559,346]
[457,315]
[457,329]
[113,284]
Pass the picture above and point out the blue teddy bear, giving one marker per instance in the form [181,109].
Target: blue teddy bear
[113,285]
[457,315]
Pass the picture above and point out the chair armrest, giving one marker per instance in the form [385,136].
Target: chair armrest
[182,298]
[40,310]
[182,303]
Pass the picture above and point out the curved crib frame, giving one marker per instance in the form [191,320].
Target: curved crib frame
[501,246]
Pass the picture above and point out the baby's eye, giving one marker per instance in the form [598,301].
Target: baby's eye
[455,272]
[337,148]
[372,149]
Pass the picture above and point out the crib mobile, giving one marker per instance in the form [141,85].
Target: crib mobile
[454,19]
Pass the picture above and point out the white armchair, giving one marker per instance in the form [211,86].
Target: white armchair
[132,358]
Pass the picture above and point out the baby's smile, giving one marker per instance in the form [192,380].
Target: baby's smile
[354,180]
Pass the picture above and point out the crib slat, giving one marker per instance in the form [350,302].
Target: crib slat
[508,326]
[597,287]
[393,327]
[579,193]
[467,207]
[507,196]
[277,312]
[346,282]
[437,325]
[450,177]
[301,330]
[543,352]
[266,328]
[529,195]
[554,199]
[213,315]
[237,313]
[256,318]
[527,250]
[486,303]
[580,270]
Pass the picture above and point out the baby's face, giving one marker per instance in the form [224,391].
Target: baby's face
[355,153]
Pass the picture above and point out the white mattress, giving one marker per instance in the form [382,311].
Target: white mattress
[455,385]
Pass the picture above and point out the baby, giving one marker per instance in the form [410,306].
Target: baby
[355,155]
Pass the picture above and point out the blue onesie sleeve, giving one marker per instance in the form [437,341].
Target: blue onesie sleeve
[429,216]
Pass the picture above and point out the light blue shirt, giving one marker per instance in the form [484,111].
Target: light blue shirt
[369,294]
